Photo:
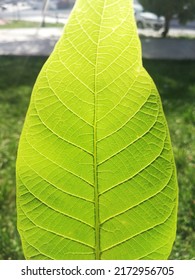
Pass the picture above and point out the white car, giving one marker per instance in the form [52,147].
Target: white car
[147,19]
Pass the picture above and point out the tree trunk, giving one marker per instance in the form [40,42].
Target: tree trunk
[45,5]
[167,26]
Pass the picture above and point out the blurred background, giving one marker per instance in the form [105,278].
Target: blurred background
[28,32]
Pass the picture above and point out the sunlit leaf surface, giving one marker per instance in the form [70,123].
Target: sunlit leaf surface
[95,170]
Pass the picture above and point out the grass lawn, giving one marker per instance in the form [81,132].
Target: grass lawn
[176,83]
[27,24]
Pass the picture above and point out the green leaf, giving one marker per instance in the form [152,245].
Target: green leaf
[95,171]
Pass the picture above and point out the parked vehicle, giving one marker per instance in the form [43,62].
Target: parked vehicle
[147,19]
[12,6]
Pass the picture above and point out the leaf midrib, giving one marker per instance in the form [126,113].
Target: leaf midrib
[96,191]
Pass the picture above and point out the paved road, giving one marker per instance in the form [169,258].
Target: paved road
[28,41]
[33,41]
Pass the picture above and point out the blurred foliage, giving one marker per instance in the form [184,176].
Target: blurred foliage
[184,9]
[176,83]
[17,76]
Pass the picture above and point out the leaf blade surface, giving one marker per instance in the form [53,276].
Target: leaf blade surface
[95,170]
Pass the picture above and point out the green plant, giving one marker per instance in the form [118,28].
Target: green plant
[27,24]
[95,170]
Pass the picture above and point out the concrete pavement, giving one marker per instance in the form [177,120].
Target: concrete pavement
[41,41]
[28,41]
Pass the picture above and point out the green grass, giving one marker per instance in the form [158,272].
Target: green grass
[27,24]
[17,76]
[176,83]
